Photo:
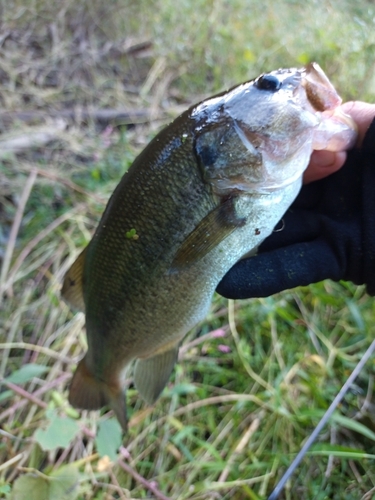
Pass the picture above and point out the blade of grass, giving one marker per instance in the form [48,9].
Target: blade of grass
[250,371]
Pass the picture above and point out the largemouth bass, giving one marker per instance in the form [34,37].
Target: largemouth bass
[206,191]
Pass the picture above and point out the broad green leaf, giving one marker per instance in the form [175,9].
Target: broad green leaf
[60,485]
[109,438]
[4,488]
[64,483]
[26,373]
[58,434]
[30,487]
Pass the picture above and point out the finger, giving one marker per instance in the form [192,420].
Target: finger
[272,272]
[323,163]
[362,113]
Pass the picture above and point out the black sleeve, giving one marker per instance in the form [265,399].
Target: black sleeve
[368,213]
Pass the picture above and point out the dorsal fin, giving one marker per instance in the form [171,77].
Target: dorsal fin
[72,289]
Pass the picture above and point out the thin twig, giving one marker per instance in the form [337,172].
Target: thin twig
[12,461]
[46,387]
[117,484]
[228,398]
[38,348]
[13,329]
[110,486]
[239,448]
[34,242]
[238,482]
[142,480]
[34,471]
[68,183]
[24,394]
[331,458]
[15,227]
[355,471]
[219,332]
[8,435]
[369,494]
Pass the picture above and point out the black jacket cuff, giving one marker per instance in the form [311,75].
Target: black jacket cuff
[368,210]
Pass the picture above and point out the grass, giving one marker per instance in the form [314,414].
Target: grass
[257,375]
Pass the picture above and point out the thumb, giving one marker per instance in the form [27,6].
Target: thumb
[323,163]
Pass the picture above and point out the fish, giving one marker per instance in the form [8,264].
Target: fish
[204,193]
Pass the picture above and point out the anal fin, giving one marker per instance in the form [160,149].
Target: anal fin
[72,289]
[152,374]
[88,393]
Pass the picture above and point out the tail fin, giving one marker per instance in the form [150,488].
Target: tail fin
[88,393]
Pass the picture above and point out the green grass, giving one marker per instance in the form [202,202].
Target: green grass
[232,418]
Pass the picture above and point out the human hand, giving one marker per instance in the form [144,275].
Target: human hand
[328,231]
[323,163]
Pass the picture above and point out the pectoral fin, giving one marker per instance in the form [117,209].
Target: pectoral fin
[72,289]
[152,374]
[211,231]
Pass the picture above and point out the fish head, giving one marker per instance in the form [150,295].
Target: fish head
[259,136]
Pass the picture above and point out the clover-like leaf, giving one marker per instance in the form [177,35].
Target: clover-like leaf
[109,438]
[58,434]
[60,485]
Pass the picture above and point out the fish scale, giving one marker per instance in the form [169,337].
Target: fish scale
[205,192]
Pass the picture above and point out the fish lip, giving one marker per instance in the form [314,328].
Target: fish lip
[320,92]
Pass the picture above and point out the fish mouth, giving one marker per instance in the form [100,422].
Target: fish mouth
[337,131]
[320,92]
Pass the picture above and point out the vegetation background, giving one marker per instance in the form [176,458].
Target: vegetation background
[257,375]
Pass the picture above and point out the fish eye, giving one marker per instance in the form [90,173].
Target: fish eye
[268,82]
